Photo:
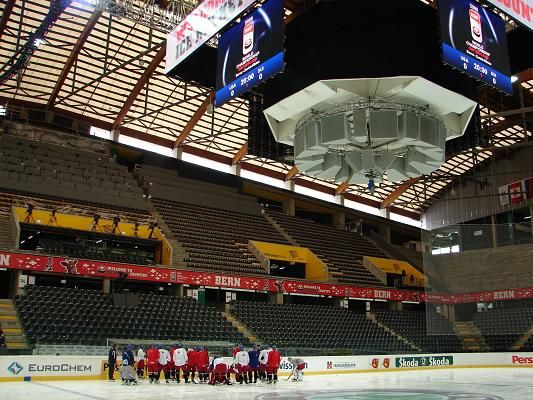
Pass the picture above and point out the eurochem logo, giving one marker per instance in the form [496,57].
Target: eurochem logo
[15,368]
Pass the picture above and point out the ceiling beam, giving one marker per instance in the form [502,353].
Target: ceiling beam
[401,189]
[341,188]
[8,9]
[143,79]
[526,75]
[292,173]
[74,55]
[194,119]
[240,154]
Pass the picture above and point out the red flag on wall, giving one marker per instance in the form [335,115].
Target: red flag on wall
[517,190]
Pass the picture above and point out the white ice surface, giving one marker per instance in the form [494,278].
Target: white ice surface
[477,384]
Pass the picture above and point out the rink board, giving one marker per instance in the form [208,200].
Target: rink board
[19,368]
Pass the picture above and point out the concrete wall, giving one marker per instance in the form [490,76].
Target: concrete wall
[486,269]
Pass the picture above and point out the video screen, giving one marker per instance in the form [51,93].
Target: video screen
[250,52]
[474,41]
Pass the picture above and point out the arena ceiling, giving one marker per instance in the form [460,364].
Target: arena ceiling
[108,70]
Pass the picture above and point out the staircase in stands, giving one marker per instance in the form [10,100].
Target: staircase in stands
[243,329]
[372,317]
[333,272]
[178,252]
[522,340]
[10,325]
[6,238]
[471,336]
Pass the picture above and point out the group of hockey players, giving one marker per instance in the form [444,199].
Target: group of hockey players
[177,363]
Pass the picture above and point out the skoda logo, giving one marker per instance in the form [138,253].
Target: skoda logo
[15,368]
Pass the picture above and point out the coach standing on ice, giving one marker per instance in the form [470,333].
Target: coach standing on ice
[112,361]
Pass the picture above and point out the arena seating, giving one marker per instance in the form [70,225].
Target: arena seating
[528,346]
[502,327]
[52,315]
[166,184]
[312,326]
[413,326]
[211,236]
[28,166]
[344,254]
[79,250]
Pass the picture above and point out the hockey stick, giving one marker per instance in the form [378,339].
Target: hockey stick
[289,378]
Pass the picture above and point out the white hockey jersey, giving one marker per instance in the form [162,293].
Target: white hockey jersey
[242,358]
[217,361]
[263,356]
[164,356]
[180,357]
[140,355]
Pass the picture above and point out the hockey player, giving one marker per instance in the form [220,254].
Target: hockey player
[164,358]
[192,355]
[140,363]
[127,374]
[298,365]
[152,358]
[253,366]
[236,349]
[219,371]
[263,358]
[180,363]
[242,361]
[274,359]
[202,364]
[171,367]
[131,357]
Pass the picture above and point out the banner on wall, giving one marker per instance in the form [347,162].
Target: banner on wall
[49,366]
[104,269]
[516,192]
[72,367]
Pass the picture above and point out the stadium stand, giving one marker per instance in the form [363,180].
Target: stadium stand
[52,315]
[6,237]
[502,327]
[216,239]
[312,326]
[344,254]
[61,172]
[413,326]
[165,184]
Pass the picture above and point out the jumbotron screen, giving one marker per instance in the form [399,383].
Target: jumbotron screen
[474,41]
[250,52]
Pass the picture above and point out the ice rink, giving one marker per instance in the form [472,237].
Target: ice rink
[476,384]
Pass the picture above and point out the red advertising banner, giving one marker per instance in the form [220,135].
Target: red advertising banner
[104,269]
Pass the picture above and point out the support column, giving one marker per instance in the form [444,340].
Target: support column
[395,305]
[289,207]
[275,298]
[385,232]
[106,285]
[494,231]
[15,278]
[116,134]
[176,290]
[531,219]
[177,152]
[339,220]
[448,310]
